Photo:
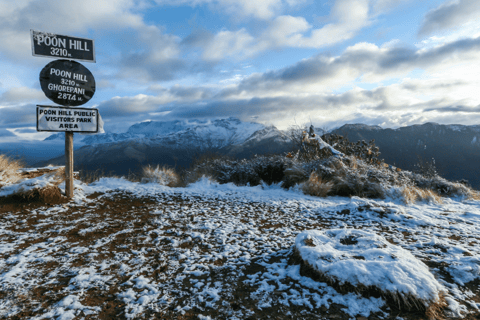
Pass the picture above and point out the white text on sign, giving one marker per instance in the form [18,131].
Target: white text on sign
[62,43]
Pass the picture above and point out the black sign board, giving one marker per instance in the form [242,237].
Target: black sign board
[58,46]
[67,83]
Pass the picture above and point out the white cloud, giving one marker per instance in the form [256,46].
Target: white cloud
[154,56]
[19,115]
[309,88]
[467,30]
[20,95]
[450,14]
[361,63]
[285,31]
[137,105]
[228,43]
[348,16]
[264,9]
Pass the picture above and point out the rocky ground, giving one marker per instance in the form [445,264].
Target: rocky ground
[123,250]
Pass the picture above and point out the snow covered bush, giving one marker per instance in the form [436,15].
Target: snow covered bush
[336,175]
[365,263]
[36,185]
[348,183]
[269,169]
[442,186]
[348,176]
[295,174]
[161,175]
[426,168]
[9,170]
[367,151]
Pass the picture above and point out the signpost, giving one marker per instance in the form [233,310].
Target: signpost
[57,46]
[62,119]
[67,83]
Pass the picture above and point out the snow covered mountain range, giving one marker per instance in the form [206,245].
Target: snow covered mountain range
[197,134]
[173,143]
[455,148]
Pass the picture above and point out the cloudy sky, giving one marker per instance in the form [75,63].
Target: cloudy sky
[283,62]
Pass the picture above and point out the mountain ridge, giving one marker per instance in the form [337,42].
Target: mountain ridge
[154,143]
[454,148]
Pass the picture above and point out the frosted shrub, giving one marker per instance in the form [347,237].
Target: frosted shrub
[355,182]
[8,170]
[443,187]
[269,169]
[161,175]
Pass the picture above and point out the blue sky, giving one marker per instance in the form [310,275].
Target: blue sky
[282,62]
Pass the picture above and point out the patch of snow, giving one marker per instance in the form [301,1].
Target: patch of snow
[359,257]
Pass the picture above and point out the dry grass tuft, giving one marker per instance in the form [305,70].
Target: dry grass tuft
[161,175]
[411,194]
[59,176]
[396,300]
[315,186]
[50,194]
[474,195]
[8,170]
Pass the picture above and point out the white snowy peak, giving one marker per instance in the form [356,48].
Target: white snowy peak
[212,133]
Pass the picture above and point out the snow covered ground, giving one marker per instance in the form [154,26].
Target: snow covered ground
[125,250]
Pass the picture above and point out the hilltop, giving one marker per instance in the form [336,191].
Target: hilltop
[236,239]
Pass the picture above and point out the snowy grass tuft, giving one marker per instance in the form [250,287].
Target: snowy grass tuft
[412,194]
[359,261]
[160,175]
[9,170]
[315,186]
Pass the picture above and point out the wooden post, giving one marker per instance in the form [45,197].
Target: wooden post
[69,165]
